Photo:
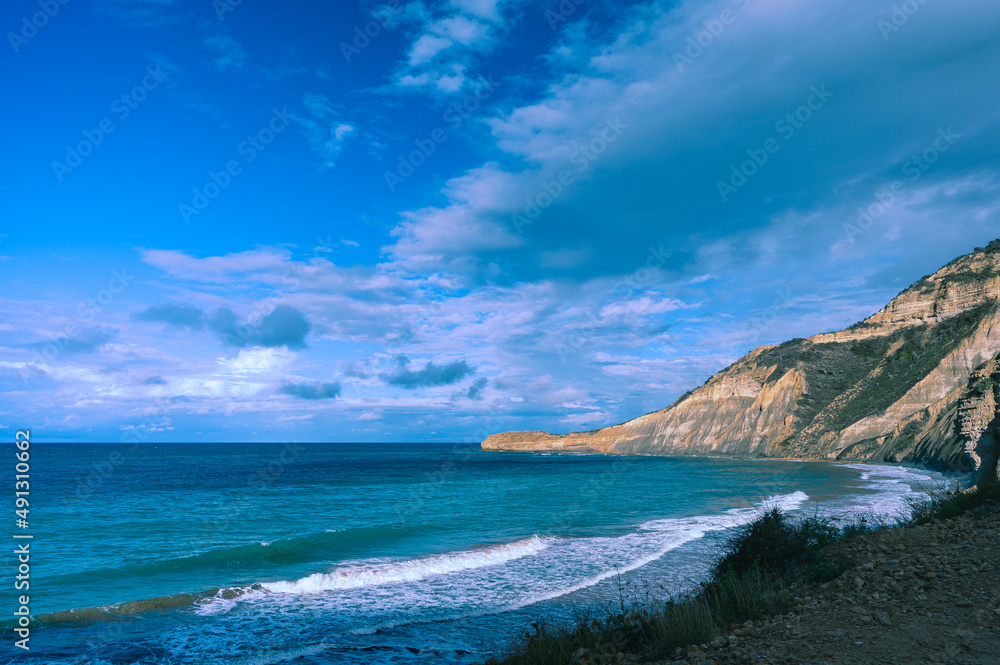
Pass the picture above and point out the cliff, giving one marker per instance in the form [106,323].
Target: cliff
[916,382]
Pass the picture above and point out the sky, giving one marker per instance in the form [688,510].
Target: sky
[433,220]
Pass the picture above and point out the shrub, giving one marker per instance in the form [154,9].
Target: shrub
[773,546]
[949,504]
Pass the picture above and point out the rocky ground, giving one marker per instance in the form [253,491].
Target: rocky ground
[926,594]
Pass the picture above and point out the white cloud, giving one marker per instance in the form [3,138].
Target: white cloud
[267,362]
[217,268]
[644,306]
[464,226]
[230,54]
[461,30]
[484,9]
[448,41]
[426,47]
[326,130]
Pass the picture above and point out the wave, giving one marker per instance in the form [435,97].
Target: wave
[118,611]
[733,517]
[681,531]
[348,577]
[364,575]
[412,570]
[896,489]
[895,474]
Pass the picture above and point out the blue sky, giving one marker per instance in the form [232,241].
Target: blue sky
[254,221]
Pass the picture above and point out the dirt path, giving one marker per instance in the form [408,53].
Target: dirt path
[927,594]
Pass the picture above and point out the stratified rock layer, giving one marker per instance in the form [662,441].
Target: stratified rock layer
[916,382]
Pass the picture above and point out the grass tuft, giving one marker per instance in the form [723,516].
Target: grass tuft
[948,504]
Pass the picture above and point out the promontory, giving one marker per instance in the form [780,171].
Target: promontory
[916,382]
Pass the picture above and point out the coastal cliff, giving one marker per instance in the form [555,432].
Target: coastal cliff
[916,382]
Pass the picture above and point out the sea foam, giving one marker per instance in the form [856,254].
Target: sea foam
[412,570]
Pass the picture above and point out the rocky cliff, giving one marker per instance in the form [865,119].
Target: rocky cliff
[916,382]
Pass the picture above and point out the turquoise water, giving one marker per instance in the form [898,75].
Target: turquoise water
[377,553]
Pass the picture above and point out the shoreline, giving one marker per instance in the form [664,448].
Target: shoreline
[949,473]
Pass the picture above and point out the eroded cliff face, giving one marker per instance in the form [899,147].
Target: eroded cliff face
[908,384]
[978,420]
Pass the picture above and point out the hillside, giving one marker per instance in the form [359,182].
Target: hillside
[916,382]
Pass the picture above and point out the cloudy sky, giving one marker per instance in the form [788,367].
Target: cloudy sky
[438,219]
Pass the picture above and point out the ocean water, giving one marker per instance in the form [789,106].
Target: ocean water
[378,553]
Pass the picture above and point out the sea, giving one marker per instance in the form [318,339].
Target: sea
[259,553]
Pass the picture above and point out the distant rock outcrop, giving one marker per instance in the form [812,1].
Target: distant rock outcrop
[916,382]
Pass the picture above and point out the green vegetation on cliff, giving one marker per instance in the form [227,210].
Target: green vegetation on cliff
[923,348]
[868,375]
